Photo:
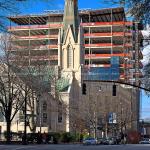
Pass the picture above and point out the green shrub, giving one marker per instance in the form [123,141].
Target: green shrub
[5,134]
[64,137]
[67,137]
[56,137]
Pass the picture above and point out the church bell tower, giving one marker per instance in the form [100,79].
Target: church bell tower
[71,56]
[70,40]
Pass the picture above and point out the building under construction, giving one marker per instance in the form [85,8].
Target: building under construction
[108,39]
[86,45]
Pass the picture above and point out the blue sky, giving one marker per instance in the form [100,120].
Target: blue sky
[35,7]
[145,106]
[39,7]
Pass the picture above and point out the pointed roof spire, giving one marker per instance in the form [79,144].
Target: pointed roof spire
[71,18]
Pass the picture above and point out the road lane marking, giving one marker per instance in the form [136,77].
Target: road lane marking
[23,147]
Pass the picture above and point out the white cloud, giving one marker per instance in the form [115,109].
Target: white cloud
[146,55]
[146,50]
[146,33]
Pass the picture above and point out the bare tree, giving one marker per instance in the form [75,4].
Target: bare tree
[39,79]
[8,7]
[11,96]
[139,9]
[90,111]
[30,98]
[17,85]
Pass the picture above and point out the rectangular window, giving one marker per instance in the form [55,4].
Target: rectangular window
[21,116]
[44,117]
[59,117]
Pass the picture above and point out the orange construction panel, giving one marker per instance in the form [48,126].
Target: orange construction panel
[126,65]
[108,34]
[41,47]
[107,23]
[60,25]
[36,37]
[52,46]
[107,55]
[54,57]
[107,45]
[129,75]
[35,26]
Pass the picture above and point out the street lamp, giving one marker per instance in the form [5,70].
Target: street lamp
[121,117]
[95,113]
[25,121]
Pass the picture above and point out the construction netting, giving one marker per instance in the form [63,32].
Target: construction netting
[105,73]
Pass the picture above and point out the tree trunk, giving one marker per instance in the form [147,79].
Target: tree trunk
[8,132]
[33,123]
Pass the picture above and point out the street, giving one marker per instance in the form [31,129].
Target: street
[74,147]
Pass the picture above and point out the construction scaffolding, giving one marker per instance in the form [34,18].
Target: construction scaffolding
[107,36]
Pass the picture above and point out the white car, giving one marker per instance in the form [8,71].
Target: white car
[145,141]
[89,141]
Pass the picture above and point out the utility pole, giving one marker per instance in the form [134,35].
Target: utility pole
[95,118]
[119,82]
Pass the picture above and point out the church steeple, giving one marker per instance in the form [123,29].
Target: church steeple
[71,18]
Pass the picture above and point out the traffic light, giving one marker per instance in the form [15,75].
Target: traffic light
[114,90]
[139,26]
[84,89]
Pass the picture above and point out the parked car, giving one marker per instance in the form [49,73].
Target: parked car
[145,141]
[90,141]
[118,140]
[110,141]
[100,141]
[105,141]
[32,137]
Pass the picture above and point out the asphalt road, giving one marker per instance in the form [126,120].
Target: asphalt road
[74,147]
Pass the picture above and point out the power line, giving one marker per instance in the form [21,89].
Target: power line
[119,82]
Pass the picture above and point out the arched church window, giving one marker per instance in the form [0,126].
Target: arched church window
[69,56]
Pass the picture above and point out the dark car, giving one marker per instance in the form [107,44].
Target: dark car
[100,140]
[32,137]
[110,141]
[105,141]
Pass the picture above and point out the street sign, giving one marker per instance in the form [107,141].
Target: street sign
[112,118]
